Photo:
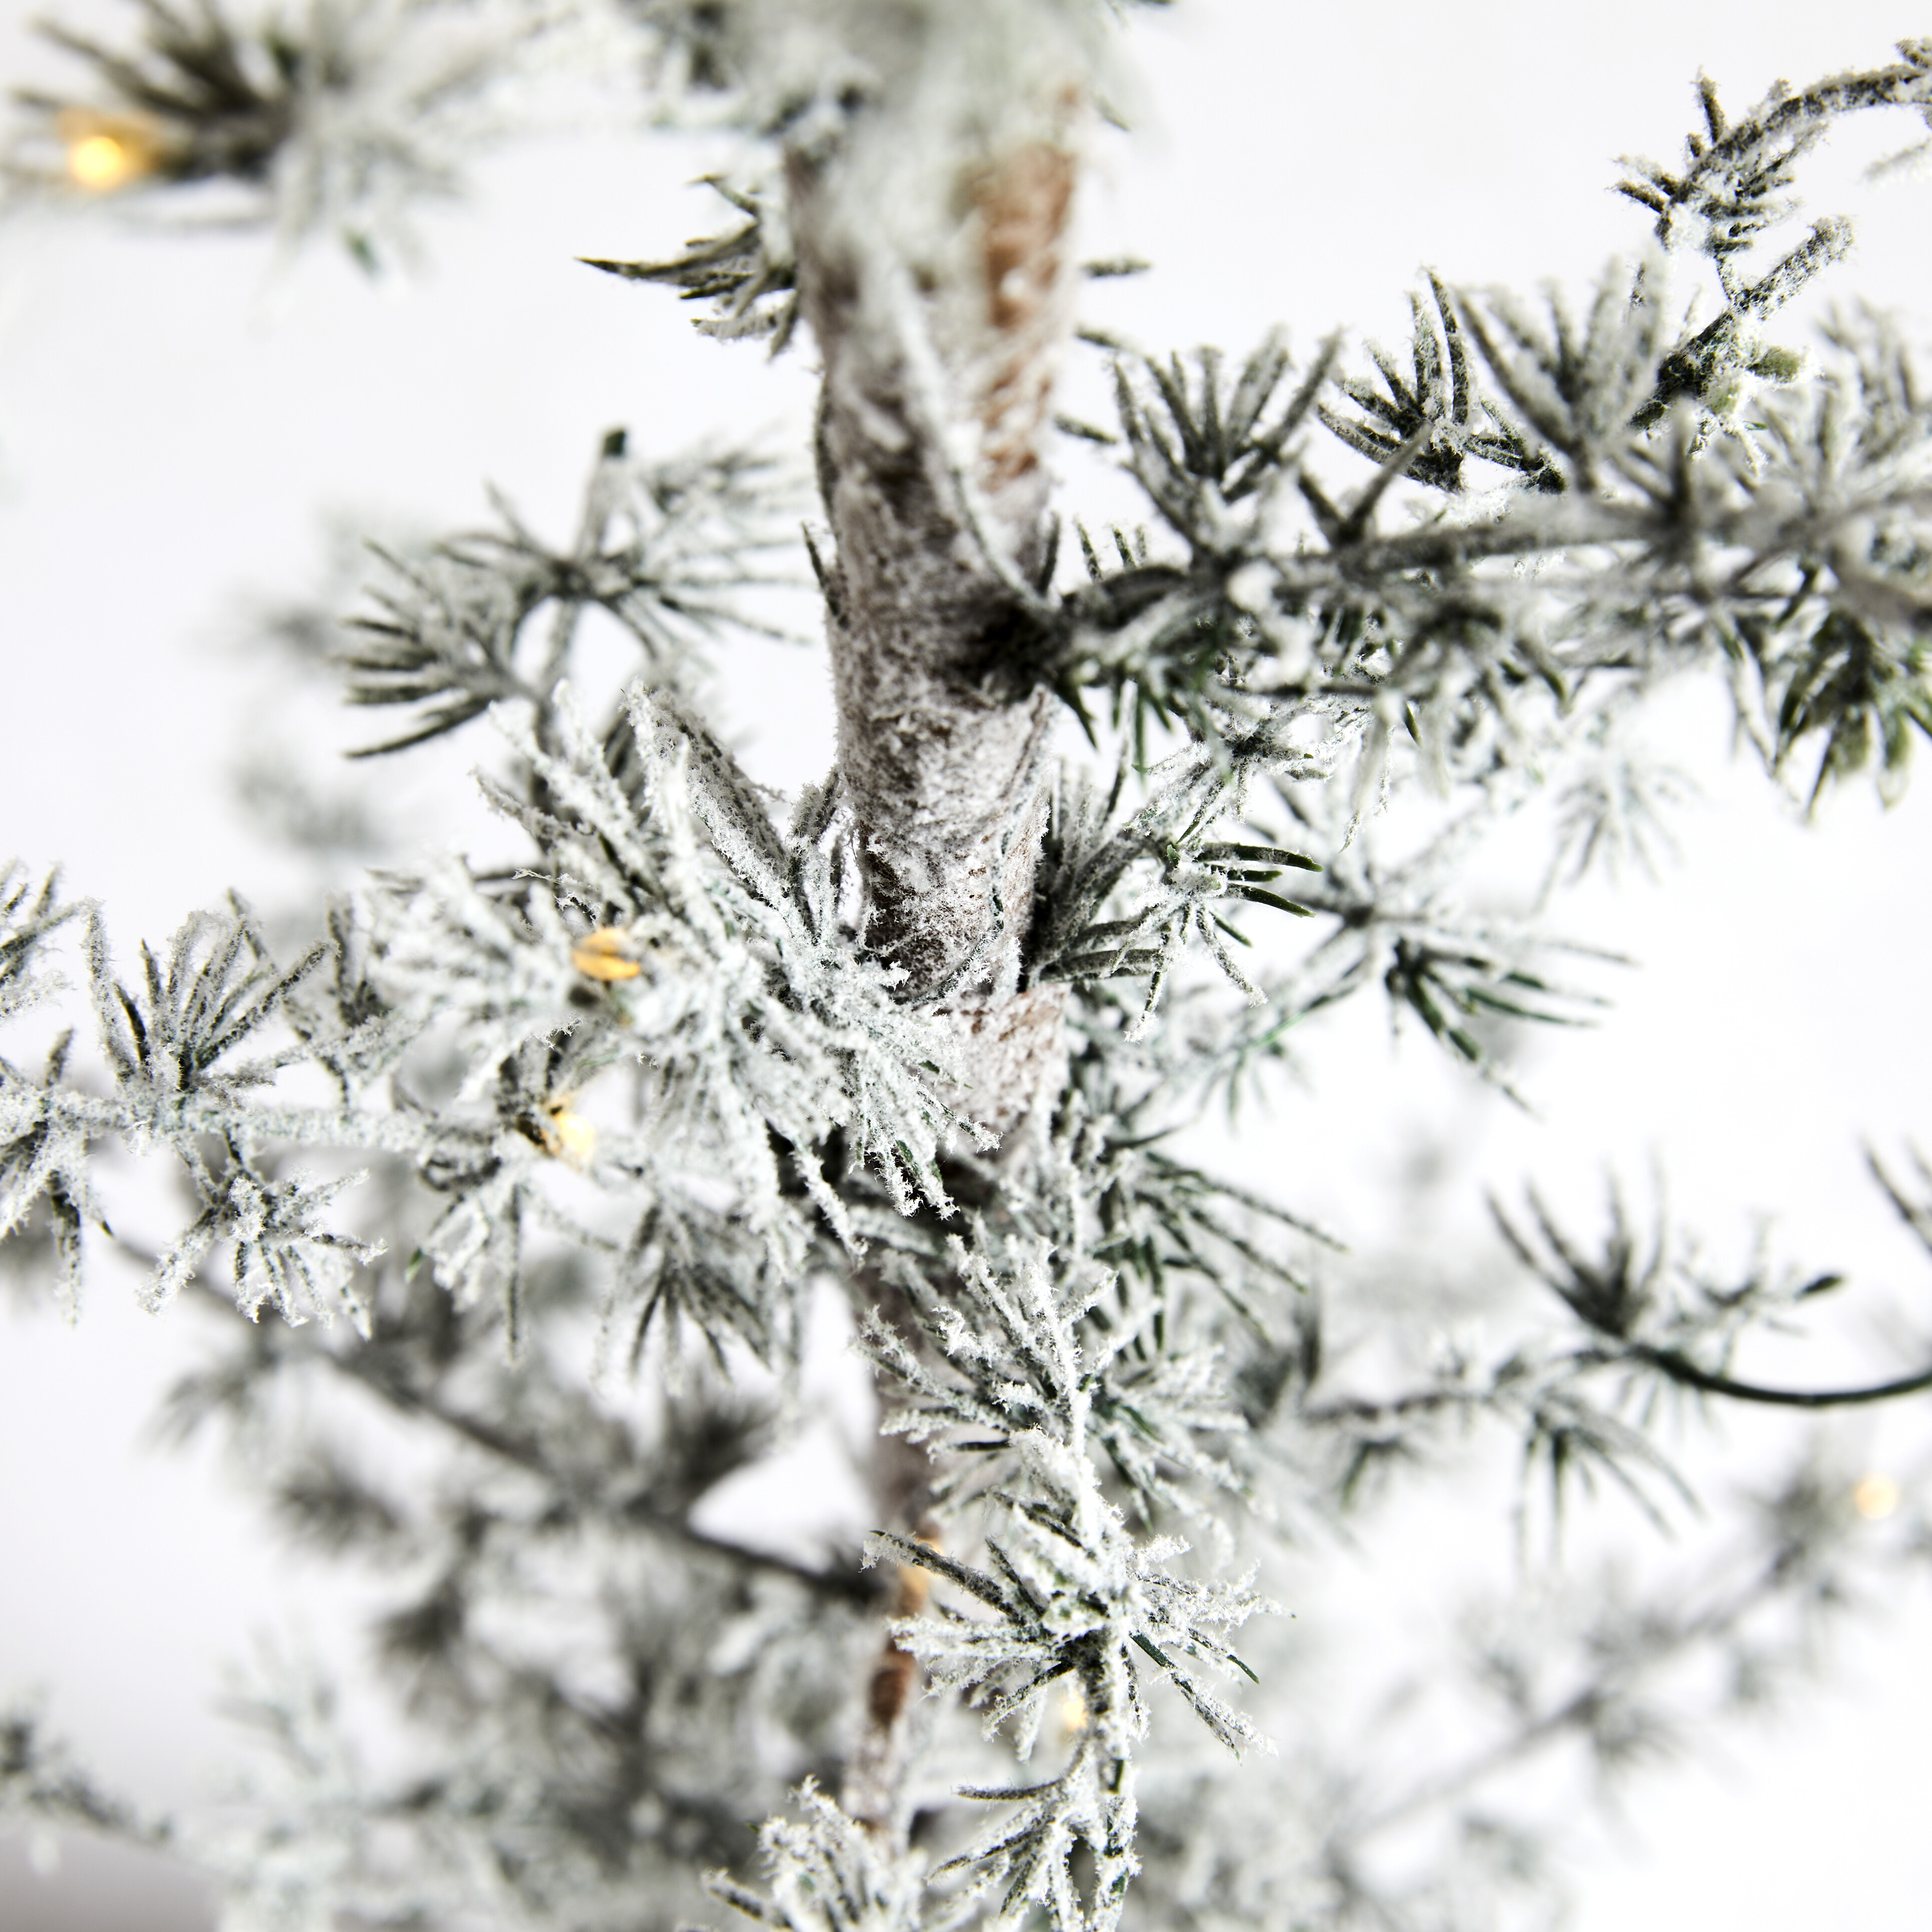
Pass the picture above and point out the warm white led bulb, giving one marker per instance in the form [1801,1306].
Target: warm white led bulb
[1876,1497]
[99,161]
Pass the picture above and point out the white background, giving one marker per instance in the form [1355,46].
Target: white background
[174,421]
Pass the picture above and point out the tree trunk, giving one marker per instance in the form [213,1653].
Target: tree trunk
[938,367]
[937,377]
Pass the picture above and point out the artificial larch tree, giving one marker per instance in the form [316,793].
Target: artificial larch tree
[609,1106]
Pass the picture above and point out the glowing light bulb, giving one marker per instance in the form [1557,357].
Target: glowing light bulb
[1875,1498]
[1073,1710]
[602,955]
[100,162]
[106,152]
[569,1136]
